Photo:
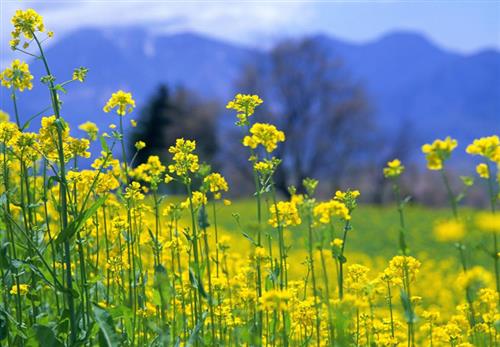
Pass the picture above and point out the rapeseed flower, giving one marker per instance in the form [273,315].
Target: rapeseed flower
[483,171]
[449,231]
[488,222]
[17,76]
[394,169]
[438,152]
[122,101]
[486,147]
[284,213]
[91,129]
[22,290]
[26,23]
[244,105]
[266,135]
[184,160]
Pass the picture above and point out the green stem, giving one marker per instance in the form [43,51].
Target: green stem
[64,204]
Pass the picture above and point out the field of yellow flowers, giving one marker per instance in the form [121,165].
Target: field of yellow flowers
[100,256]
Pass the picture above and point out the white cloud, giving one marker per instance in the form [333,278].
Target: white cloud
[244,22]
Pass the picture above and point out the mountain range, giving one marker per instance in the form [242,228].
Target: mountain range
[406,77]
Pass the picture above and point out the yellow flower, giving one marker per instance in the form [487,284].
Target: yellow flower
[394,168]
[150,171]
[140,145]
[77,147]
[337,243]
[260,252]
[168,179]
[438,152]
[275,299]
[133,122]
[476,276]
[122,101]
[134,192]
[23,289]
[399,264]
[485,146]
[79,74]
[264,134]
[263,166]
[245,105]
[184,160]
[483,170]
[449,231]
[324,211]
[91,129]
[198,199]
[25,23]
[216,184]
[348,198]
[17,75]
[489,222]
[4,116]
[284,213]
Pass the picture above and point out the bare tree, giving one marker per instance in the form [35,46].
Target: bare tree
[324,114]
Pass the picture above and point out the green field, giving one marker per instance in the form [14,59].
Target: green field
[375,229]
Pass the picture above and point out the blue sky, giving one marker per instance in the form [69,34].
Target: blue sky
[462,26]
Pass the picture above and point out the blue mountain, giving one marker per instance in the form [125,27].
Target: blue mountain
[406,77]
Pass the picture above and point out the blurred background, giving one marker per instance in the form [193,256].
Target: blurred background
[352,84]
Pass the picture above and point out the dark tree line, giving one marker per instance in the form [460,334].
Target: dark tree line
[172,114]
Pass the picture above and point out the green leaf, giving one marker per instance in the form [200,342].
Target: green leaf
[107,333]
[409,313]
[196,330]
[198,285]
[46,336]
[4,256]
[203,218]
[248,237]
[4,326]
[78,223]
[104,144]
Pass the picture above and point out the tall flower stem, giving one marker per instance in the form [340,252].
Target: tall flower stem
[63,195]
[347,227]
[258,201]
[493,203]
[194,241]
[460,246]
[313,277]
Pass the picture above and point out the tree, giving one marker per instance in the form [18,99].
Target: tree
[168,116]
[324,114]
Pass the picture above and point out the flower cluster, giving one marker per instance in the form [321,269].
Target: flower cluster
[283,214]
[324,211]
[244,105]
[17,76]
[151,172]
[91,129]
[438,152]
[184,159]
[216,184]
[122,101]
[394,169]
[26,23]
[266,135]
[449,231]
[487,147]
[488,222]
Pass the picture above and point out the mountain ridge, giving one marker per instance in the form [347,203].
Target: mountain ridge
[405,75]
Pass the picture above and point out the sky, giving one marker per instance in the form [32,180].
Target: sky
[460,26]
